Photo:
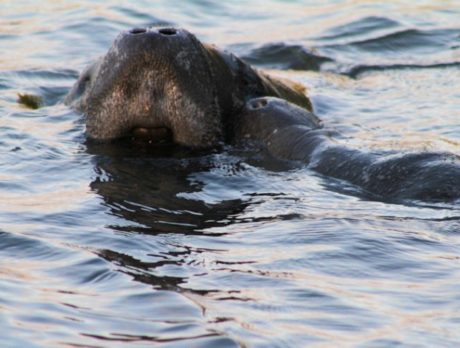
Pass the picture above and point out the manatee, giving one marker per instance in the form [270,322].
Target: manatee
[289,132]
[166,78]
[164,83]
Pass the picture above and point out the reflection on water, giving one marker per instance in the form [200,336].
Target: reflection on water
[146,191]
[125,245]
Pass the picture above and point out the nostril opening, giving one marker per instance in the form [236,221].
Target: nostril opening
[168,31]
[259,103]
[138,30]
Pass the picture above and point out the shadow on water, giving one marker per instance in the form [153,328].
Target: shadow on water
[285,56]
[366,44]
[143,185]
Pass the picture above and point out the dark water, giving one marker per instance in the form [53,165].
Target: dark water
[117,246]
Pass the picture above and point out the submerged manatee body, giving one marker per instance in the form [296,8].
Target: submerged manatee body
[152,80]
[167,78]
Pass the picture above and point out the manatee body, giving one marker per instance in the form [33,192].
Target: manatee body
[167,78]
[290,132]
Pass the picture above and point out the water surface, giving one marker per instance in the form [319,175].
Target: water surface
[114,245]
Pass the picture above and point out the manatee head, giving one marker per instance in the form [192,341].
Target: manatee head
[150,78]
[262,117]
[166,78]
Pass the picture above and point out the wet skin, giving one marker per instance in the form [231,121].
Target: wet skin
[164,84]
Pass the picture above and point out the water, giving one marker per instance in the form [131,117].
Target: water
[117,246]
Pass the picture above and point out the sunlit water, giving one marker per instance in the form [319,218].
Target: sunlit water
[115,245]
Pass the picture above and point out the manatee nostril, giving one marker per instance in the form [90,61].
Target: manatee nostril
[258,103]
[138,31]
[168,31]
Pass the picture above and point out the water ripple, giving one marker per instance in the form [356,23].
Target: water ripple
[125,245]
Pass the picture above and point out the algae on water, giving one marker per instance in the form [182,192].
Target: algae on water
[29,100]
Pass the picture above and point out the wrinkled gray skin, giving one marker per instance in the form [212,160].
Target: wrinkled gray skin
[293,133]
[152,80]
[165,77]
